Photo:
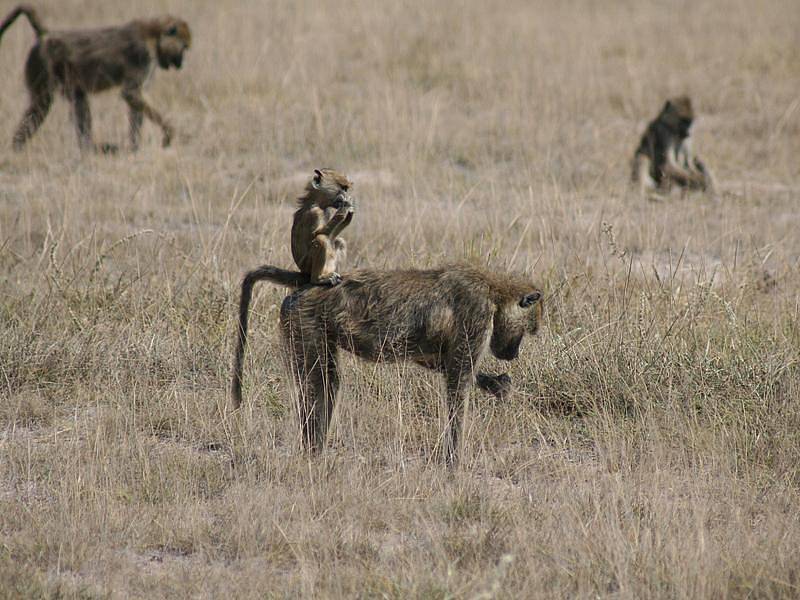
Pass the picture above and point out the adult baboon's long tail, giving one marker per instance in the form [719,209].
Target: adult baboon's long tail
[292,279]
[33,18]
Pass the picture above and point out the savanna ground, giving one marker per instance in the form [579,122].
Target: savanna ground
[652,445]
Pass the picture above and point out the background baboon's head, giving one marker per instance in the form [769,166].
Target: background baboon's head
[329,188]
[174,40]
[512,321]
[678,115]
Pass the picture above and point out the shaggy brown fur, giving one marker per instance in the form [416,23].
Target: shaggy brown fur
[322,213]
[93,60]
[444,319]
[664,156]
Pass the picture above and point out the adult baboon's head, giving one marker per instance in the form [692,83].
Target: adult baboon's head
[512,321]
[678,115]
[174,40]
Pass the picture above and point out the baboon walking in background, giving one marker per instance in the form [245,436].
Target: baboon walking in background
[443,319]
[93,60]
[664,156]
[322,213]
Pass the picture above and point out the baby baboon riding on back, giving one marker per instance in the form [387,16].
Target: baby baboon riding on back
[664,157]
[322,213]
[83,62]
[444,320]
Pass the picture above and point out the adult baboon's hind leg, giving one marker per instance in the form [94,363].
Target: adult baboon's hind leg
[83,123]
[315,371]
[40,88]
[41,101]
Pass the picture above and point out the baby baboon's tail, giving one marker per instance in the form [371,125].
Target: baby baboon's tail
[33,18]
[292,279]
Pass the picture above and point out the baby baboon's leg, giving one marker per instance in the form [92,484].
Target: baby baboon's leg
[34,116]
[323,261]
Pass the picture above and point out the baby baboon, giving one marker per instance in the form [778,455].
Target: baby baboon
[443,319]
[664,156]
[322,213]
[92,60]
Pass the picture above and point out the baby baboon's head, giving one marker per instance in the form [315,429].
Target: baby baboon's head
[678,115]
[174,40]
[512,321]
[329,189]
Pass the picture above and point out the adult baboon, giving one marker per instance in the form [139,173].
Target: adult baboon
[443,319]
[322,213]
[82,62]
[664,156]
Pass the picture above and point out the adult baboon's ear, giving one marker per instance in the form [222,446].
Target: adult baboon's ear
[530,299]
[317,178]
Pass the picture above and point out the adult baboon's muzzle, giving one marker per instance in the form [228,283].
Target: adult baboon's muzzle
[510,351]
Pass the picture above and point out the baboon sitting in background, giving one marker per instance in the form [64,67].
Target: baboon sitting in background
[664,156]
[82,62]
[322,213]
[443,319]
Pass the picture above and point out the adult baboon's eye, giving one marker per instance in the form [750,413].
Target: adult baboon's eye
[172,30]
[530,299]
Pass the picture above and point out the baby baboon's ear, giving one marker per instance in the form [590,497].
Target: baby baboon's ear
[530,299]
[317,178]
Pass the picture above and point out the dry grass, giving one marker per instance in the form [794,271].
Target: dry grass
[652,448]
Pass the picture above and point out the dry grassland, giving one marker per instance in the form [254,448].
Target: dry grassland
[652,445]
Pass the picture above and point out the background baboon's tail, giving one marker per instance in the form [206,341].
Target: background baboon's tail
[24,9]
[292,279]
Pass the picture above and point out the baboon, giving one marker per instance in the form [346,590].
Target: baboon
[664,156]
[322,213]
[82,62]
[443,319]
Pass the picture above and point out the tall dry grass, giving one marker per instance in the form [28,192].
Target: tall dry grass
[651,448]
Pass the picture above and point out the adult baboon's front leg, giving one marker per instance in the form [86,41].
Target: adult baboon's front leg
[136,102]
[458,384]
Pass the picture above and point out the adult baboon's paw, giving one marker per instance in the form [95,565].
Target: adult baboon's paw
[106,148]
[166,140]
[497,385]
